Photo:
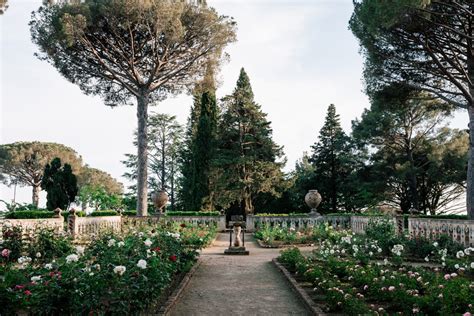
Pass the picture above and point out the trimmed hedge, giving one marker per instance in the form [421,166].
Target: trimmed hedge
[179,213]
[104,213]
[284,215]
[29,214]
[129,213]
[49,214]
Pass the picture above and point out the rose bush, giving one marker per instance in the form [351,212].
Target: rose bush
[117,274]
[373,273]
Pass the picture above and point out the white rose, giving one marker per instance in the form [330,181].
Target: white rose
[120,270]
[36,278]
[48,266]
[148,242]
[141,264]
[72,258]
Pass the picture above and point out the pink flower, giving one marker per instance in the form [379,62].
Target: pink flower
[467,314]
[453,275]
[19,287]
[366,287]
[447,276]
[173,258]
[391,288]
[27,292]
[6,253]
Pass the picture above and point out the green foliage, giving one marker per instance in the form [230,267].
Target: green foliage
[98,198]
[23,163]
[60,184]
[129,213]
[247,159]
[291,257]
[334,162]
[415,162]
[104,213]
[85,279]
[191,213]
[29,214]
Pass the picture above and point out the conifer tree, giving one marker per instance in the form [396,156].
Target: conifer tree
[60,184]
[333,161]
[247,158]
[203,151]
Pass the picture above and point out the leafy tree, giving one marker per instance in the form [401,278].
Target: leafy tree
[24,163]
[98,188]
[164,142]
[425,44]
[401,129]
[124,50]
[333,162]
[247,157]
[60,184]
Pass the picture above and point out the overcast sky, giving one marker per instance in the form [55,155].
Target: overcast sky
[300,57]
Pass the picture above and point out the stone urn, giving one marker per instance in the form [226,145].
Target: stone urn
[313,199]
[160,199]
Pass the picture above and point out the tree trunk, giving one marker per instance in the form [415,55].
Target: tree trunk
[470,166]
[142,176]
[412,182]
[36,192]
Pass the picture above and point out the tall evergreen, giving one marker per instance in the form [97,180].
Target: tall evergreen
[333,162]
[185,193]
[199,147]
[247,158]
[60,184]
[203,151]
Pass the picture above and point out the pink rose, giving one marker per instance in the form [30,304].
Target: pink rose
[467,314]
[447,276]
[391,288]
[6,253]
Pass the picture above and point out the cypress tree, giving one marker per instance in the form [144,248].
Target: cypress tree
[60,184]
[203,151]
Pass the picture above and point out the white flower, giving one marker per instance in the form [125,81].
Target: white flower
[460,254]
[121,244]
[72,258]
[141,234]
[91,274]
[97,266]
[427,259]
[36,278]
[111,242]
[80,250]
[48,266]
[456,266]
[141,264]
[120,270]
[435,244]
[472,265]
[148,242]
[467,251]
[24,260]
[38,255]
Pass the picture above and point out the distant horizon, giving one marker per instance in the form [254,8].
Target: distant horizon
[300,58]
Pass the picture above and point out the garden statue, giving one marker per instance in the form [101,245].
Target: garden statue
[160,199]
[237,247]
[313,199]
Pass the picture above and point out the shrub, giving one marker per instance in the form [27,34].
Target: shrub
[291,257]
[129,213]
[29,214]
[182,213]
[103,213]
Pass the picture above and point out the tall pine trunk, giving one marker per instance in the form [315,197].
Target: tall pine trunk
[142,175]
[36,192]
[470,166]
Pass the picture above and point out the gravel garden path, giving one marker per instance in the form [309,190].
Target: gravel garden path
[238,285]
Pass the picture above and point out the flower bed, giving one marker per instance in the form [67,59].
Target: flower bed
[375,274]
[114,274]
[276,237]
